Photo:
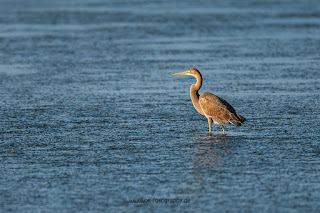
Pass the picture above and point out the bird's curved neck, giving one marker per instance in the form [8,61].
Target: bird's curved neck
[194,93]
[199,82]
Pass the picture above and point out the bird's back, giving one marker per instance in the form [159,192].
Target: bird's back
[216,107]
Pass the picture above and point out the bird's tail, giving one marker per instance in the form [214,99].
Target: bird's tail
[237,119]
[241,118]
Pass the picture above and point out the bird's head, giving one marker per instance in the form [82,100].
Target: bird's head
[193,72]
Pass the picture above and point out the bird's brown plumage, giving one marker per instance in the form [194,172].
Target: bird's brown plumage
[213,107]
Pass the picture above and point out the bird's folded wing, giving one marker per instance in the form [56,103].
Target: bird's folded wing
[216,107]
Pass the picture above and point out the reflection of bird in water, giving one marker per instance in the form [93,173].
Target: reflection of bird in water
[214,108]
[209,155]
[211,151]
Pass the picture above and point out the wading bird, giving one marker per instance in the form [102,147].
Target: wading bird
[213,107]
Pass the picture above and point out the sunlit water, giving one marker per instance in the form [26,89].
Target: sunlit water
[91,118]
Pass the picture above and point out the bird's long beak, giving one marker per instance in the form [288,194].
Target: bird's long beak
[182,73]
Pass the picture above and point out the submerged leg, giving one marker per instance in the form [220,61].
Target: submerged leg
[223,129]
[210,123]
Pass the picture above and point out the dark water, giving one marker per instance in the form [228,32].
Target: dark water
[91,118]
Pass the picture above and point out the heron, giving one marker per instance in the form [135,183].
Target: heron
[214,108]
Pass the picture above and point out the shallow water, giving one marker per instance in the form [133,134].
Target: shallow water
[92,119]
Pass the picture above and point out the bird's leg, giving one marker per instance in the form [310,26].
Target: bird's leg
[223,129]
[210,123]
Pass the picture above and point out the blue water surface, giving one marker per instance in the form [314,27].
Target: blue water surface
[91,119]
